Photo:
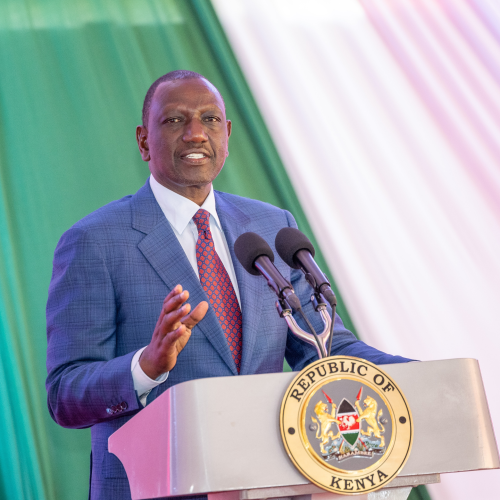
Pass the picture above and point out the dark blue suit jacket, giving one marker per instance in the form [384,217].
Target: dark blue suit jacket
[112,271]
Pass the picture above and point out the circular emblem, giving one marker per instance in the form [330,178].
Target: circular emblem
[346,425]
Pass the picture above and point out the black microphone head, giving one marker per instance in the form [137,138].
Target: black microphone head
[249,247]
[289,241]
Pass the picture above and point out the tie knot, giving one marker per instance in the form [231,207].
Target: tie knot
[202,220]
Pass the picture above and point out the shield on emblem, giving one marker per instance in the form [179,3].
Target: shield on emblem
[348,427]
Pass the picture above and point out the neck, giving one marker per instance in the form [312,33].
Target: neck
[197,194]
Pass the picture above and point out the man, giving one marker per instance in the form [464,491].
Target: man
[120,329]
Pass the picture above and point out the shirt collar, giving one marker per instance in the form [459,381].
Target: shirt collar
[180,210]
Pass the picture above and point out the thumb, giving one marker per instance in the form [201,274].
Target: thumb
[196,315]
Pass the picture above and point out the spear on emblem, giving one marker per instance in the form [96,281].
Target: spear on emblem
[358,397]
[327,396]
[358,406]
[329,399]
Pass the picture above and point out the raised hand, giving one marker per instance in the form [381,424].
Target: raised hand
[171,333]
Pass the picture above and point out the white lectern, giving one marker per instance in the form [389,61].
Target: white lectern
[221,437]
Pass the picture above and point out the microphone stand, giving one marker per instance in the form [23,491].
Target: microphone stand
[319,341]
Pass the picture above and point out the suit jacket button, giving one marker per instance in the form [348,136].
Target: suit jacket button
[110,411]
[124,405]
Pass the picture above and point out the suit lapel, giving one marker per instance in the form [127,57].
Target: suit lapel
[234,223]
[163,251]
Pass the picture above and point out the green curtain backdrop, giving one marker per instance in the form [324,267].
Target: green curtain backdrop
[73,77]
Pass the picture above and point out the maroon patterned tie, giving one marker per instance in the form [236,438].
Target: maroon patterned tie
[217,285]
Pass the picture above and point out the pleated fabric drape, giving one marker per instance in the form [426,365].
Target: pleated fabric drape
[387,117]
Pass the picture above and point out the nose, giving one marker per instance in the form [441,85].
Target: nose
[194,132]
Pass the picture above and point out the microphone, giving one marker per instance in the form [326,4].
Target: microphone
[297,251]
[256,256]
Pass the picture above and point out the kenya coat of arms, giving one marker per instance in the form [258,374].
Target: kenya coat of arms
[350,440]
[346,425]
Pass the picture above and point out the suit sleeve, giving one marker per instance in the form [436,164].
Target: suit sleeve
[86,383]
[299,354]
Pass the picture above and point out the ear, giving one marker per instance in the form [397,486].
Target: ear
[229,128]
[141,134]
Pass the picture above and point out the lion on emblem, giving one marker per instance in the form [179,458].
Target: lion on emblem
[369,414]
[325,422]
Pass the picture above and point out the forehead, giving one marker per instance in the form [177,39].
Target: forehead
[189,94]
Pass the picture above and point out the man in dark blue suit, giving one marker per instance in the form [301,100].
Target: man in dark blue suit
[119,325]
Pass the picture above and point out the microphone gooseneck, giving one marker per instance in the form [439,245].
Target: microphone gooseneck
[256,256]
[297,251]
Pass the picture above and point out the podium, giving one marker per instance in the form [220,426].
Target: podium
[221,436]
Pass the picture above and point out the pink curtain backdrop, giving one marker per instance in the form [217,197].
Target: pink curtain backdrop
[387,116]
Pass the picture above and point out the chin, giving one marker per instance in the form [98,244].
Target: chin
[200,180]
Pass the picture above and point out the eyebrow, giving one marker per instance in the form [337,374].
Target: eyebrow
[208,107]
[166,110]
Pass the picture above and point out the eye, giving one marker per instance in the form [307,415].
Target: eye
[172,119]
[212,119]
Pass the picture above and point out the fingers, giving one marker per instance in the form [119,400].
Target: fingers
[175,301]
[176,339]
[176,311]
[173,293]
[196,315]
[160,356]
[172,332]
[172,320]
[172,301]
[185,321]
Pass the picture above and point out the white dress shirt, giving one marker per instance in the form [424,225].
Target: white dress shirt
[179,212]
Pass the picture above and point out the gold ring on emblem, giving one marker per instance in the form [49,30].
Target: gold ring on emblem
[293,425]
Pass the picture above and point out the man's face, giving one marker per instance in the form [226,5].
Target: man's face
[186,137]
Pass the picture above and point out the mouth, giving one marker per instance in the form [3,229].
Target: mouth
[195,158]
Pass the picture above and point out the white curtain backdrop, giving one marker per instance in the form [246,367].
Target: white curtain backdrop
[387,116]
